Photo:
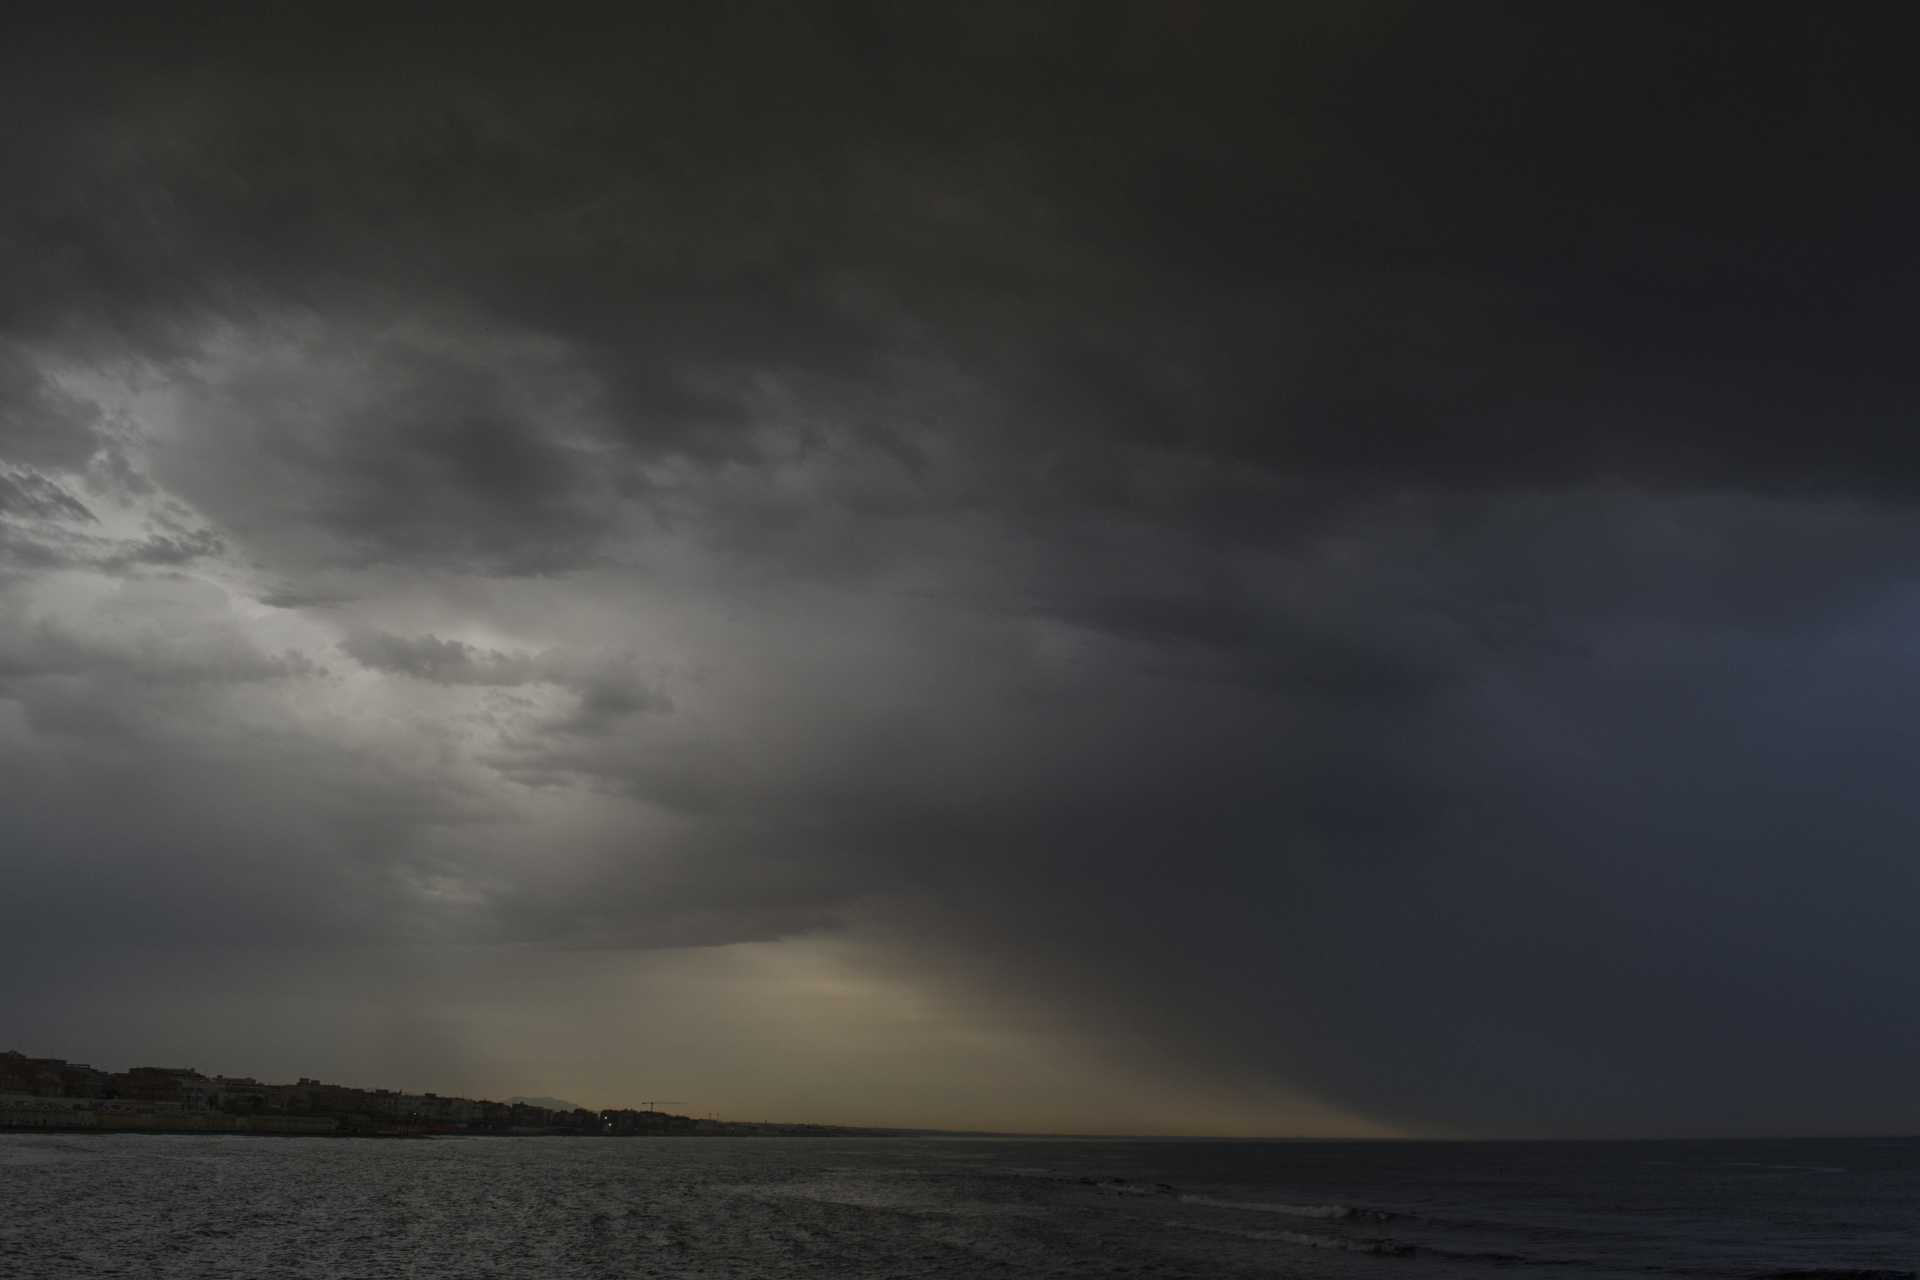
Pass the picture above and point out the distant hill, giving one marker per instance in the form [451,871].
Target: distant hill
[551,1104]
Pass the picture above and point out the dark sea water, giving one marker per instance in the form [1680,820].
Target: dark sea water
[139,1205]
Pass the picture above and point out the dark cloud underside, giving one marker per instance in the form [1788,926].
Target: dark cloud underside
[1349,552]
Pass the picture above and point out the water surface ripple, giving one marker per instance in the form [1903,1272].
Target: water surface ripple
[210,1207]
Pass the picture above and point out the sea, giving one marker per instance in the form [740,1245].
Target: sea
[238,1206]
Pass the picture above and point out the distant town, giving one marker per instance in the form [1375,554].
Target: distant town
[54,1094]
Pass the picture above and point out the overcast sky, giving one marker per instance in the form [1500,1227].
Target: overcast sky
[1320,568]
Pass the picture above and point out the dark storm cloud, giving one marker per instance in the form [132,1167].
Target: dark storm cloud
[32,494]
[150,633]
[1549,888]
[39,426]
[166,549]
[1386,248]
[44,526]
[1358,547]
[378,444]
[443,661]
[607,689]
[305,844]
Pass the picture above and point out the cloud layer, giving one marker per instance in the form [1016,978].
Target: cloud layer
[1352,561]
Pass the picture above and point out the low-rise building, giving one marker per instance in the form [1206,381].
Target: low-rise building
[182,1085]
[240,1094]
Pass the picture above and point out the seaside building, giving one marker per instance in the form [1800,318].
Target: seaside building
[242,1094]
[52,1093]
[182,1086]
[50,1077]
